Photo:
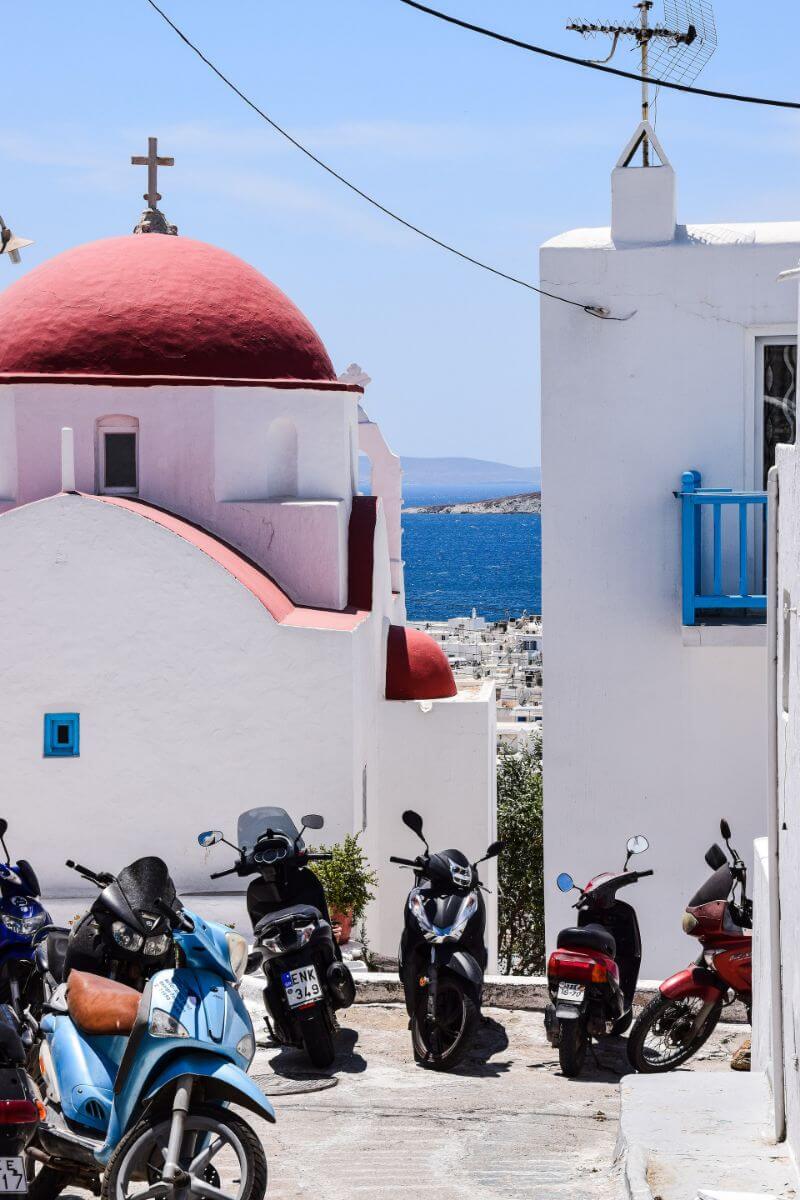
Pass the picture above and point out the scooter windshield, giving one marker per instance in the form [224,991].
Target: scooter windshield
[145,881]
[717,887]
[254,823]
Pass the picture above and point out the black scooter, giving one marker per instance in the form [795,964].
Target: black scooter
[443,951]
[306,981]
[592,975]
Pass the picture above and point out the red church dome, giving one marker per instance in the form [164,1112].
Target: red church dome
[416,667]
[152,305]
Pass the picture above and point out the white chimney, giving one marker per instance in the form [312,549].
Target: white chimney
[643,199]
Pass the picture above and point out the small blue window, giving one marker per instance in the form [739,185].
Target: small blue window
[62,735]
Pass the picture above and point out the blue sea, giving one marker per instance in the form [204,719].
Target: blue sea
[455,563]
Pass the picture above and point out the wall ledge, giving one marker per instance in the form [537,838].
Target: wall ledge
[724,635]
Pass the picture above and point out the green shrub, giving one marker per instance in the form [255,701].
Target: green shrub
[347,878]
[521,937]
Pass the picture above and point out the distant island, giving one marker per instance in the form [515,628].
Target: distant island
[445,473]
[524,502]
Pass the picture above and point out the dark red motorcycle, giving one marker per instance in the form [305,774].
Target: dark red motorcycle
[593,973]
[684,1014]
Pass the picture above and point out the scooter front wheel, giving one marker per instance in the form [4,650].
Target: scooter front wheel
[220,1156]
[572,1046]
[666,1033]
[442,1042]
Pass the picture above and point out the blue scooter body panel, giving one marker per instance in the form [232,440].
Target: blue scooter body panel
[86,1068]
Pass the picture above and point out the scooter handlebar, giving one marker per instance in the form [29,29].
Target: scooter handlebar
[321,857]
[644,874]
[219,874]
[403,862]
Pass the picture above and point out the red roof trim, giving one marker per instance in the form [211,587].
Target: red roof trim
[280,607]
[317,385]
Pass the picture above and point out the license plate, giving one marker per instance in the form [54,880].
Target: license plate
[573,992]
[302,986]
[12,1175]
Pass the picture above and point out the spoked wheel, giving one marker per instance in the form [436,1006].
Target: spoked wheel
[221,1159]
[442,1042]
[668,1032]
[572,1047]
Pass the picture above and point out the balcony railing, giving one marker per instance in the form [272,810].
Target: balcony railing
[717,584]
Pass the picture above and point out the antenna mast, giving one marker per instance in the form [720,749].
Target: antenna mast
[679,48]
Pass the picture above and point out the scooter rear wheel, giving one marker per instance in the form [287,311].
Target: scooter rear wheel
[318,1040]
[661,1038]
[572,1047]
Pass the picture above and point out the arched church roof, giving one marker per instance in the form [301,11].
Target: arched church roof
[151,307]
[416,667]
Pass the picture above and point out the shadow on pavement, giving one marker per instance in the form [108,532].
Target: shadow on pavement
[295,1064]
[491,1039]
[605,1060]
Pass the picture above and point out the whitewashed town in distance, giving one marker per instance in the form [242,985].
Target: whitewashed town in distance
[509,652]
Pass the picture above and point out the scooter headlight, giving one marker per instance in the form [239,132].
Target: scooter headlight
[163,1024]
[154,947]
[126,937]
[25,925]
[238,951]
[469,906]
[417,908]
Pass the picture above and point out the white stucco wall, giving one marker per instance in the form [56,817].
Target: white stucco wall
[645,731]
[761,1042]
[204,452]
[449,778]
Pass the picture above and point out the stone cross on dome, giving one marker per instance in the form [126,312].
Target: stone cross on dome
[152,219]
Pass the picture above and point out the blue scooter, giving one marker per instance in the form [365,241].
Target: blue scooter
[22,917]
[138,1084]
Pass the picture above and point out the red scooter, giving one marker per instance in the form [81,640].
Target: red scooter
[684,1014]
[592,976]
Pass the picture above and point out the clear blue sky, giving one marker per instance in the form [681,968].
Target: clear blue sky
[486,146]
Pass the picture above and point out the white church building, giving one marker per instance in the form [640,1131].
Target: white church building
[201,614]
[658,429]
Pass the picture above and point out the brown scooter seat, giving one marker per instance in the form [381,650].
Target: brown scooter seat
[101,1006]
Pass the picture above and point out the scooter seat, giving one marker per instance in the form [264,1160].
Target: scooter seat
[101,1006]
[305,913]
[589,937]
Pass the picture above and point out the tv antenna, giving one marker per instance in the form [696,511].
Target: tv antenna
[676,50]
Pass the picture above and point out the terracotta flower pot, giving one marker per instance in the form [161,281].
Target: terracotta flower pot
[342,926]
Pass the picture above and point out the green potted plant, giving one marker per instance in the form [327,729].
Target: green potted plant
[347,880]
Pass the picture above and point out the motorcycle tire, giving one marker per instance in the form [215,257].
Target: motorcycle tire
[572,1047]
[623,1024]
[660,1011]
[318,1040]
[432,1051]
[150,1133]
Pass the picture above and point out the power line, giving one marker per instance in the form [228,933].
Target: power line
[599,66]
[594,66]
[593,310]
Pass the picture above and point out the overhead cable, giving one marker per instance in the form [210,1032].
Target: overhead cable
[596,66]
[593,310]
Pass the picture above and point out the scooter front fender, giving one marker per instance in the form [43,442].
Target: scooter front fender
[693,981]
[460,962]
[222,1082]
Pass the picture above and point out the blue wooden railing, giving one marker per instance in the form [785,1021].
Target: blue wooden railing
[733,556]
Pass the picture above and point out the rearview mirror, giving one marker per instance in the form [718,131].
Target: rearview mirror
[638,844]
[715,857]
[413,820]
[565,882]
[725,829]
[209,838]
[3,827]
[312,821]
[494,850]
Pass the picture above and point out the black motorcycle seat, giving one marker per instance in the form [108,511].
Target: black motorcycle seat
[295,912]
[589,937]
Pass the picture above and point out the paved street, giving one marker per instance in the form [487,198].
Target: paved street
[506,1126]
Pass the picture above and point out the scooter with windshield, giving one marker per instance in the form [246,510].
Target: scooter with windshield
[683,1015]
[593,972]
[443,950]
[139,1084]
[306,980]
